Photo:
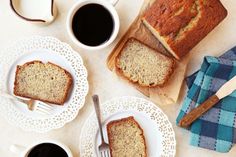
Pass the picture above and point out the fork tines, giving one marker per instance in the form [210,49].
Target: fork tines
[105,153]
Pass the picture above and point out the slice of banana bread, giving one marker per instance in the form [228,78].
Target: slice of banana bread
[126,138]
[143,65]
[46,82]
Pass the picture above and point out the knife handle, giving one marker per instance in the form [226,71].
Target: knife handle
[189,118]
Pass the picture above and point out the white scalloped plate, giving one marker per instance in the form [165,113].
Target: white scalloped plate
[158,131]
[44,49]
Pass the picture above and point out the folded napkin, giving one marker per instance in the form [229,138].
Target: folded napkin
[216,129]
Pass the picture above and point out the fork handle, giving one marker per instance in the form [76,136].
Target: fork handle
[189,118]
[9,96]
[98,113]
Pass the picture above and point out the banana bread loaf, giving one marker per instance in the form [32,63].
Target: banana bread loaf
[181,24]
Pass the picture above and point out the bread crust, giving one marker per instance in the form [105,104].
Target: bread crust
[69,84]
[120,72]
[170,17]
[123,120]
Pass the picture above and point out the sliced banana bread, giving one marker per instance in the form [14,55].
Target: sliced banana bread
[143,65]
[46,82]
[126,138]
[182,24]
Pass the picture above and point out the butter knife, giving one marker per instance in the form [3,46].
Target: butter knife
[225,90]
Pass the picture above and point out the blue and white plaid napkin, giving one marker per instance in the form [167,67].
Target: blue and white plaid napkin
[216,129]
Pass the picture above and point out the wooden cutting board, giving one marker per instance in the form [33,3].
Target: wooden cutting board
[160,95]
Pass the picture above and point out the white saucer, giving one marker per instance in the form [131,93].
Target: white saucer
[158,131]
[44,49]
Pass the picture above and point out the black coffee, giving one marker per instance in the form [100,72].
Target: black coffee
[47,150]
[92,24]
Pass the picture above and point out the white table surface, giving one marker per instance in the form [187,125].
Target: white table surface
[101,80]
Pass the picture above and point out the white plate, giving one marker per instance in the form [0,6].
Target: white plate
[44,49]
[158,131]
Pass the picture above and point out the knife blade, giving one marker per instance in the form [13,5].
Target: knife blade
[225,90]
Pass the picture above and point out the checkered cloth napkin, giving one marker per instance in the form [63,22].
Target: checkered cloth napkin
[216,129]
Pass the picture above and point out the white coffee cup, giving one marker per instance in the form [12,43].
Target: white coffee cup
[24,151]
[109,5]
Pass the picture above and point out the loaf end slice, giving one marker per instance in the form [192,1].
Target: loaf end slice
[126,138]
[45,82]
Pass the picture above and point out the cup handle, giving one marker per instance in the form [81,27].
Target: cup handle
[17,149]
[113,2]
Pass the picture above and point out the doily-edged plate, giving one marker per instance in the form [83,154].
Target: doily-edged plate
[45,49]
[158,131]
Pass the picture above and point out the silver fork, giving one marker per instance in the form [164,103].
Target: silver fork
[103,148]
[33,105]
